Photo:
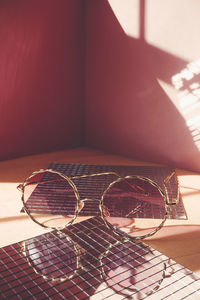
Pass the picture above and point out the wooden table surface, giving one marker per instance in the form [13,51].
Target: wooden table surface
[180,239]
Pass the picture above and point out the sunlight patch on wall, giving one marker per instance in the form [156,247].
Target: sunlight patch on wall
[127,13]
[173,26]
[187,83]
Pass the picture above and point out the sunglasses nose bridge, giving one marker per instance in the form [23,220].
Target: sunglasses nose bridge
[89,200]
[85,200]
[81,205]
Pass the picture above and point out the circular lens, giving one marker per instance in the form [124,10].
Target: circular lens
[134,205]
[53,257]
[130,269]
[50,199]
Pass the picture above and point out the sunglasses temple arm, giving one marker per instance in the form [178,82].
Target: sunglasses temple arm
[166,181]
[20,186]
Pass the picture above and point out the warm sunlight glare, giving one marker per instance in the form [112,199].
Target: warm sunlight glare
[173,26]
[128,14]
[187,83]
[10,197]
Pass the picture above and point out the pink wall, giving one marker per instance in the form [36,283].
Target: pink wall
[41,75]
[128,51]
[131,105]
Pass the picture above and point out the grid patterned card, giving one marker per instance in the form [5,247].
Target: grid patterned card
[88,261]
[41,199]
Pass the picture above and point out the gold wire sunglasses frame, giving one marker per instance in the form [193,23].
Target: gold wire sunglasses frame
[102,208]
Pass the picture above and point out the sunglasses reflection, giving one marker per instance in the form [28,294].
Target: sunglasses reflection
[127,268]
[130,268]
